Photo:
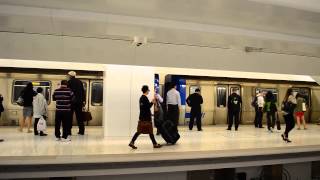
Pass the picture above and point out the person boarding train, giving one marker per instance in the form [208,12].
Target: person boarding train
[194,101]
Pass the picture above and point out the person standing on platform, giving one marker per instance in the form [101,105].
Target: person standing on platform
[234,108]
[78,101]
[27,95]
[194,101]
[1,109]
[270,108]
[288,105]
[254,104]
[63,96]
[173,105]
[40,109]
[145,120]
[260,105]
[299,111]
[158,111]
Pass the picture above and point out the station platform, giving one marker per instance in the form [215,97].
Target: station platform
[24,155]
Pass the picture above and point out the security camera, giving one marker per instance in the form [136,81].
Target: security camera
[138,41]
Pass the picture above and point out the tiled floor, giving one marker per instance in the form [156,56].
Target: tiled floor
[213,138]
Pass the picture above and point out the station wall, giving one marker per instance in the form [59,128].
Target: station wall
[107,51]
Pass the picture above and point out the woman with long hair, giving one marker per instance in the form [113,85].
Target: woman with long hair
[27,95]
[288,105]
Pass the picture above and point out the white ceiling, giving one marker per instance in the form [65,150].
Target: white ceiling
[265,23]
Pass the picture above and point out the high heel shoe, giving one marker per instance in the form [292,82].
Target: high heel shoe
[283,137]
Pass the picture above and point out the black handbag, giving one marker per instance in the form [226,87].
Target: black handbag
[87,116]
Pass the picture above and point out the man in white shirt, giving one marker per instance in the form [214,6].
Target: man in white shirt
[173,104]
[260,102]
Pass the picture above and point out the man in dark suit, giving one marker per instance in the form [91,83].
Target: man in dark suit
[234,107]
[194,101]
[78,101]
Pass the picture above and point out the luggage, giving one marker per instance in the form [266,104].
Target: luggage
[278,122]
[169,132]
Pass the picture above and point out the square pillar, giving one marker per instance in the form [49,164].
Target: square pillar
[122,90]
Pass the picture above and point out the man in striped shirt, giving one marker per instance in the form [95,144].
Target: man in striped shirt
[63,96]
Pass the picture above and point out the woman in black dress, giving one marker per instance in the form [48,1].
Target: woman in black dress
[145,121]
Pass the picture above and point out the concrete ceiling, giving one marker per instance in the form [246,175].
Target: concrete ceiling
[277,26]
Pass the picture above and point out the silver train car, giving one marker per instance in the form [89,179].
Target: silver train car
[14,80]
[215,92]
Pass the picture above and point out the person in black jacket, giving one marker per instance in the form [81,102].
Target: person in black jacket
[78,101]
[194,101]
[145,121]
[1,105]
[234,107]
[27,95]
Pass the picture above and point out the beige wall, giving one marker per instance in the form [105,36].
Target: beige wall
[106,51]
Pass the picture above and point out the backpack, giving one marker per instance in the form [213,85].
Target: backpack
[254,103]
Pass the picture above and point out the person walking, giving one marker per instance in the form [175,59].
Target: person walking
[194,101]
[270,108]
[27,95]
[288,105]
[78,100]
[63,96]
[145,121]
[299,111]
[173,104]
[260,105]
[234,108]
[40,109]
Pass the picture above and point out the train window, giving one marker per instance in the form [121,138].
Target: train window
[221,96]
[85,87]
[305,92]
[97,94]
[274,91]
[192,89]
[19,85]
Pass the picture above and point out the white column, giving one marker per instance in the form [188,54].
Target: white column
[122,90]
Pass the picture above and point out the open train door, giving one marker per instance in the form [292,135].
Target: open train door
[306,93]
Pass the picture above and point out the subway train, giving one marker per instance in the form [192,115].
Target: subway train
[215,91]
[13,81]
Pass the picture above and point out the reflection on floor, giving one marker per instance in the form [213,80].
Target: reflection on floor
[211,139]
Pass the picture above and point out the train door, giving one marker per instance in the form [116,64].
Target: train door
[96,102]
[306,93]
[220,111]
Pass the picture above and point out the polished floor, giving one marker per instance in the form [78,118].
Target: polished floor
[213,138]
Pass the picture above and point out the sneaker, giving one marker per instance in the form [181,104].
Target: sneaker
[229,129]
[66,139]
[58,139]
[298,128]
[1,140]
[43,134]
[20,130]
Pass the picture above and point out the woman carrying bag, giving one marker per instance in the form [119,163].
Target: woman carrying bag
[40,112]
[145,121]
[288,105]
